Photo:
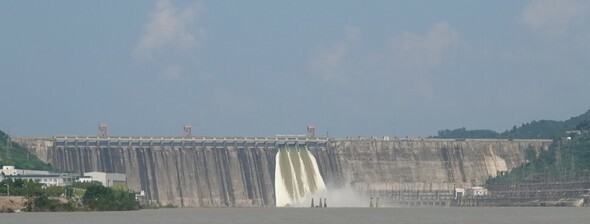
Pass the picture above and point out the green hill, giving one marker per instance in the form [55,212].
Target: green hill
[568,158]
[541,129]
[14,154]
[547,128]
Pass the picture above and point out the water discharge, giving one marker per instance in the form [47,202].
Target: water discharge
[297,175]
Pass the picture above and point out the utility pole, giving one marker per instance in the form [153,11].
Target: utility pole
[558,160]
[573,167]
[8,147]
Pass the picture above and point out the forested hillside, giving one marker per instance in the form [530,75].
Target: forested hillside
[15,155]
[541,129]
[568,158]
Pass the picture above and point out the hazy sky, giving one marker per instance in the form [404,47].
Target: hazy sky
[258,68]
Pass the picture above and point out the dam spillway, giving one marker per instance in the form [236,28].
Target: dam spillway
[241,172]
[296,175]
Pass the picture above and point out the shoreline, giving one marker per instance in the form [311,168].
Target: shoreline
[10,204]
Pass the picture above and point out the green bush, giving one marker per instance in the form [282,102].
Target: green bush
[100,198]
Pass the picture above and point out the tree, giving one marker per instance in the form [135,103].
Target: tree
[54,191]
[100,198]
[584,125]
[530,154]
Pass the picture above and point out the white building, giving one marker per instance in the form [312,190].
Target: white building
[107,179]
[9,170]
[43,177]
[476,191]
[85,179]
[47,180]
[470,192]
[459,192]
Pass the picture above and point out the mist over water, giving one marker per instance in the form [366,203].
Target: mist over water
[336,197]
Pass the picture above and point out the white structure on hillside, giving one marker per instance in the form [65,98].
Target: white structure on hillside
[11,171]
[107,179]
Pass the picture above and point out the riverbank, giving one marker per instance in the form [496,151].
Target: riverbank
[9,204]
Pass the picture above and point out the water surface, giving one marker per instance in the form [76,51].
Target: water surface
[541,215]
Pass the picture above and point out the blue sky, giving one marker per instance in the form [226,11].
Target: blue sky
[259,68]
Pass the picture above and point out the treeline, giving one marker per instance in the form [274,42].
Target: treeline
[464,133]
[542,129]
[94,196]
[39,199]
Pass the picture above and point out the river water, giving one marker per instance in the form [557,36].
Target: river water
[497,215]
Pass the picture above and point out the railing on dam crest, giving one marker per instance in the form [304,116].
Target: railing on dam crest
[170,141]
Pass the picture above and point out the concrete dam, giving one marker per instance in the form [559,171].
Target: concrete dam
[242,172]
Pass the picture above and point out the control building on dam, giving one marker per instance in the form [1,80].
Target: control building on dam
[240,171]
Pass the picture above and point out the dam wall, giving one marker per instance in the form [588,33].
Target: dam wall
[239,172]
[183,171]
[422,164]
[40,146]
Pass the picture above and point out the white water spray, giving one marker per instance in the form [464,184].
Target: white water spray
[297,176]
